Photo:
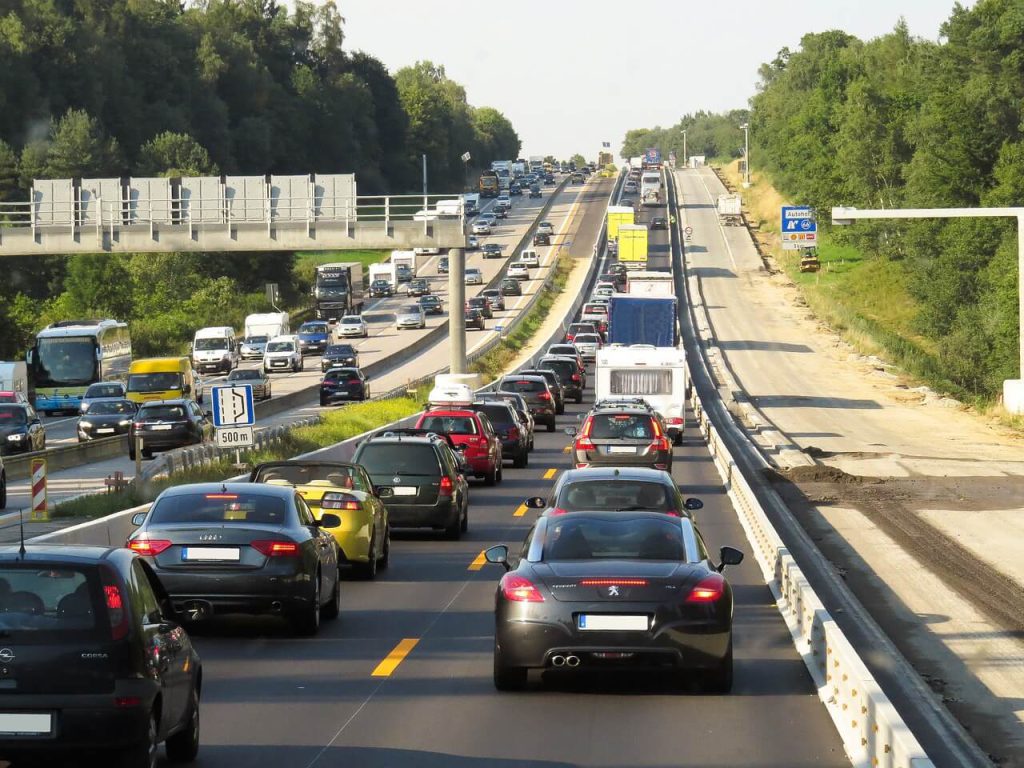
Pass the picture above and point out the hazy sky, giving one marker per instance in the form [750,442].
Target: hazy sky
[570,74]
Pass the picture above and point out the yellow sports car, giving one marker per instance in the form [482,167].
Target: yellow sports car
[364,536]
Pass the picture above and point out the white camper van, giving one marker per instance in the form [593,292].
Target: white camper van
[657,374]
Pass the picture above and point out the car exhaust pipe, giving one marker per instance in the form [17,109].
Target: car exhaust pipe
[558,661]
[276,606]
[572,661]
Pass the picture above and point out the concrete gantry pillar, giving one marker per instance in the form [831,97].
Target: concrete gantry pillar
[456,309]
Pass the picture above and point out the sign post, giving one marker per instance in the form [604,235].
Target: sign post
[234,414]
[799,227]
[40,512]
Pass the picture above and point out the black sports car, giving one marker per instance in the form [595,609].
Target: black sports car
[613,590]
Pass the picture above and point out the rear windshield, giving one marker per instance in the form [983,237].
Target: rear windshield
[497,413]
[581,328]
[579,537]
[345,477]
[161,412]
[104,390]
[451,425]
[111,407]
[337,374]
[522,385]
[313,328]
[244,374]
[154,382]
[41,601]
[399,459]
[621,425]
[596,495]
[595,309]
[563,349]
[588,338]
[220,509]
[564,368]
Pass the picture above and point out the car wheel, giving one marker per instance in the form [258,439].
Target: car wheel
[678,439]
[332,610]
[508,678]
[491,478]
[551,426]
[131,454]
[368,570]
[501,472]
[183,746]
[143,754]
[531,443]
[385,554]
[454,531]
[519,462]
[560,408]
[719,680]
[322,402]
[307,619]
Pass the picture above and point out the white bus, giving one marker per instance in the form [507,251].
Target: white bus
[70,355]
[650,188]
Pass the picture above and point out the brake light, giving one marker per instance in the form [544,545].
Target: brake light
[127,702]
[575,377]
[583,442]
[354,380]
[544,396]
[513,433]
[274,548]
[661,444]
[447,486]
[519,589]
[613,582]
[674,420]
[569,337]
[559,511]
[339,501]
[114,601]
[672,513]
[148,547]
[229,496]
[708,590]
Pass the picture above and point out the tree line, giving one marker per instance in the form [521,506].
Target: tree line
[903,122]
[117,88]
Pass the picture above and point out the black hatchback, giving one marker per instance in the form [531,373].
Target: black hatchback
[510,287]
[513,433]
[338,355]
[344,385]
[166,424]
[536,392]
[94,661]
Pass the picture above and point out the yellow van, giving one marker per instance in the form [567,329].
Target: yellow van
[163,378]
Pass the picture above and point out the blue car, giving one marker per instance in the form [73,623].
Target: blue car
[313,337]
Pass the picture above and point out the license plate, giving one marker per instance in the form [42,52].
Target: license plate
[210,553]
[613,622]
[105,431]
[405,490]
[26,723]
[162,427]
[621,449]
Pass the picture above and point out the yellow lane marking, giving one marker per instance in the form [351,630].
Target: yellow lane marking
[520,511]
[550,474]
[478,562]
[567,449]
[393,659]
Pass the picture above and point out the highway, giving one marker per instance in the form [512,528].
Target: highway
[384,341]
[272,700]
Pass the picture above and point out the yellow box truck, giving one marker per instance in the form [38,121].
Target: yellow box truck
[633,246]
[617,216]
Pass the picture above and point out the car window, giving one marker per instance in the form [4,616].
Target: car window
[110,408]
[398,458]
[280,346]
[615,494]
[305,514]
[451,425]
[522,385]
[104,390]
[227,508]
[588,338]
[145,606]
[497,413]
[162,412]
[42,603]
[303,474]
[580,537]
[622,426]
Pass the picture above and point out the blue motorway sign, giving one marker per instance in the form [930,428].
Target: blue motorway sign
[799,227]
[233,406]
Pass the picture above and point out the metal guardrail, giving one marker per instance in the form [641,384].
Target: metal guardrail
[873,731]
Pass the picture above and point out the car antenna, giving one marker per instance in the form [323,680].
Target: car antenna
[21,527]
[223,488]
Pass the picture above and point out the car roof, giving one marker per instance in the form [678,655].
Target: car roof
[615,473]
[174,401]
[636,410]
[250,488]
[526,376]
[62,553]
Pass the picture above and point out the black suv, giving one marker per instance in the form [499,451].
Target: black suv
[167,424]
[420,479]
[510,287]
[554,383]
[97,660]
[542,238]
[513,433]
[337,355]
[568,372]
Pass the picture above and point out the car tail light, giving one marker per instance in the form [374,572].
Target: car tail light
[559,511]
[339,501]
[447,486]
[661,444]
[583,442]
[672,513]
[576,377]
[137,425]
[519,589]
[513,433]
[569,337]
[613,582]
[148,547]
[275,548]
[127,702]
[114,600]
[544,396]
[708,590]
[354,380]
[674,420]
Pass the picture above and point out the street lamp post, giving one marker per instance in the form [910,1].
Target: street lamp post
[686,157]
[1013,389]
[746,155]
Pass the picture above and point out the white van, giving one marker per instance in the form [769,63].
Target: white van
[215,349]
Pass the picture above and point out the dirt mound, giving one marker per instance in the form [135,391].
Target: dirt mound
[819,473]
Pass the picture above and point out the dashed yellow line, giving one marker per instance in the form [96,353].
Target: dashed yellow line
[393,659]
[550,474]
[520,511]
[478,562]
[567,449]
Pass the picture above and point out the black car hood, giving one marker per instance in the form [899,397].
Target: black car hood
[13,429]
[106,419]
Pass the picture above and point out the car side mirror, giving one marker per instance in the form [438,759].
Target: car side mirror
[570,431]
[535,502]
[139,518]
[729,556]
[498,555]
[376,491]
[329,520]
[693,504]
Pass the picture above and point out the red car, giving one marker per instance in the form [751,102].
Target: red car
[472,434]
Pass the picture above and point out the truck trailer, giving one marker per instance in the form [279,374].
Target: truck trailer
[617,216]
[650,284]
[632,241]
[657,374]
[643,320]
